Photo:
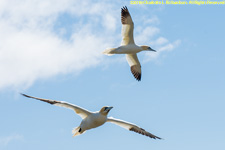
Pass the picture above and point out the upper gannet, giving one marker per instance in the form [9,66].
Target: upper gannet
[95,119]
[128,46]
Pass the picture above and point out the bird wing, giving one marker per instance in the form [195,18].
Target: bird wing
[135,65]
[131,127]
[80,111]
[127,27]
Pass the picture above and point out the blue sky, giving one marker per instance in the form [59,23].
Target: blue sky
[52,49]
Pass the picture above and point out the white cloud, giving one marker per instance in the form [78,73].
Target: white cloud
[162,45]
[147,34]
[31,49]
[4,141]
[109,22]
[152,20]
[36,41]
[160,41]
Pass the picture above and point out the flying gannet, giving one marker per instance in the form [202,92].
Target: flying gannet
[128,46]
[95,119]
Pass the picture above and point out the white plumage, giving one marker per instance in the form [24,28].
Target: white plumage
[95,119]
[128,45]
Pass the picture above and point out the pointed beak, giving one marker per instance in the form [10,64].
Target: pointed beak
[109,108]
[150,49]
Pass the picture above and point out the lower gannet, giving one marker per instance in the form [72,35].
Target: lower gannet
[128,46]
[95,119]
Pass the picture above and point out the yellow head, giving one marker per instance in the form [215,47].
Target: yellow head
[147,48]
[105,110]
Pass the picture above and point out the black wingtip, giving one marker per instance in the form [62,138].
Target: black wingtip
[138,78]
[124,8]
[24,95]
[156,137]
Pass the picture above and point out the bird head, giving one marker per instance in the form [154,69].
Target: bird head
[147,48]
[105,110]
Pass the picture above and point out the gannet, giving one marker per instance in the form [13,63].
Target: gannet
[128,46]
[95,119]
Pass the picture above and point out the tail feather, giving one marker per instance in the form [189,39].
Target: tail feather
[109,51]
[75,131]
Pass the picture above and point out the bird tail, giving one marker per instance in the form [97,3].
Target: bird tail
[76,131]
[109,51]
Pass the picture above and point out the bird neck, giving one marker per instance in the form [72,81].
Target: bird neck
[104,113]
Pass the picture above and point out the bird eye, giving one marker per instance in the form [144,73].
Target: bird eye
[105,108]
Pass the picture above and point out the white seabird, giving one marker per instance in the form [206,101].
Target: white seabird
[95,119]
[128,46]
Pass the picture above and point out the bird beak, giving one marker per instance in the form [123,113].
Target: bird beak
[150,49]
[109,108]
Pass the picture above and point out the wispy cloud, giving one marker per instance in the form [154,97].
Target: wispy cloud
[4,141]
[31,48]
[40,40]
[162,45]
[149,34]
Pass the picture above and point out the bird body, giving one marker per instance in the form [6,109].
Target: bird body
[95,119]
[124,49]
[128,45]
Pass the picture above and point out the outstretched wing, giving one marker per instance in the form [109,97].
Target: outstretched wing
[135,65]
[131,127]
[127,27]
[80,111]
